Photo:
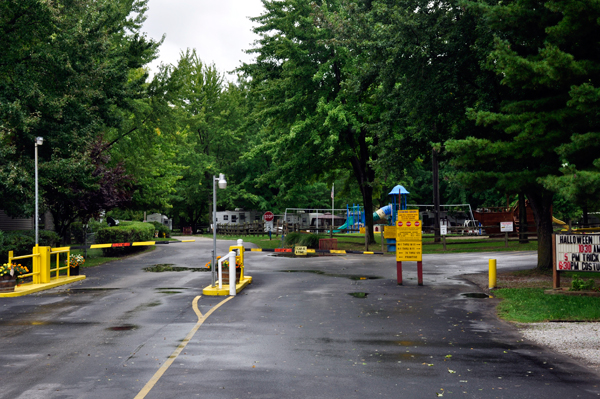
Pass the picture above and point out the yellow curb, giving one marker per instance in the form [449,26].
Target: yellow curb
[30,288]
[215,291]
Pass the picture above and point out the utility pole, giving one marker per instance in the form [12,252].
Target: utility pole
[436,194]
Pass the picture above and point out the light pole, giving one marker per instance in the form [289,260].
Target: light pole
[222,184]
[38,141]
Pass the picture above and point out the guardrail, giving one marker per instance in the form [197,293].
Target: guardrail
[42,270]
[35,270]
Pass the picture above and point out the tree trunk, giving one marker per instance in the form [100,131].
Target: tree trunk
[365,176]
[523,228]
[436,195]
[541,204]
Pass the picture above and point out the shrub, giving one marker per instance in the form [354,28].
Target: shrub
[21,242]
[310,240]
[124,232]
[292,239]
[579,284]
[163,231]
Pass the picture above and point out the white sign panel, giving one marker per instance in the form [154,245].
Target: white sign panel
[506,227]
[269,226]
[578,252]
[443,229]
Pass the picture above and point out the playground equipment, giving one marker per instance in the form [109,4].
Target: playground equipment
[399,202]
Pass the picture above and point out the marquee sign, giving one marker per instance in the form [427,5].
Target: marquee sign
[577,252]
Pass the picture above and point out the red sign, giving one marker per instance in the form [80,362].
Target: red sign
[399,224]
[417,224]
[268,216]
[408,224]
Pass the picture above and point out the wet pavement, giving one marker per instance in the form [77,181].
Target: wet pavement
[319,327]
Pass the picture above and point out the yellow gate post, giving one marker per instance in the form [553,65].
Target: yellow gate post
[36,265]
[44,262]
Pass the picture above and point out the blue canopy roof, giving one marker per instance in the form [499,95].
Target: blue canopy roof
[398,190]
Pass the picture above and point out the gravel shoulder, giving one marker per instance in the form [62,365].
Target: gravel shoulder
[577,340]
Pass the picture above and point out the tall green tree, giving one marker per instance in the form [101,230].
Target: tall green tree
[65,72]
[547,54]
[311,121]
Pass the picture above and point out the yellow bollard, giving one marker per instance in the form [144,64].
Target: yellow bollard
[492,267]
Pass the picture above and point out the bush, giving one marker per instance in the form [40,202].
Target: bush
[163,231]
[579,284]
[21,242]
[292,239]
[124,232]
[310,240]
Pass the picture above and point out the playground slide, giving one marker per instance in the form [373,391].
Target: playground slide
[379,214]
[349,221]
[382,213]
[560,222]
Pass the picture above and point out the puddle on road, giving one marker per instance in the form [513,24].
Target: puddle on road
[350,276]
[359,294]
[124,327]
[167,267]
[477,295]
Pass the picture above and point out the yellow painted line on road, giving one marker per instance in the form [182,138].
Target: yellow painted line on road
[201,319]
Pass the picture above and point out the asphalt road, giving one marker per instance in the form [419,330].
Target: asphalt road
[295,332]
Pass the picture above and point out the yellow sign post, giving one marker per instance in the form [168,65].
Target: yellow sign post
[409,242]
[300,251]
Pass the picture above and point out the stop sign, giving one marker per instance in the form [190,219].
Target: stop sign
[268,216]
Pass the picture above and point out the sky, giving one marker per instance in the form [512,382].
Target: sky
[219,30]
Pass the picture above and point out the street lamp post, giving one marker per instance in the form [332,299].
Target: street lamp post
[38,141]
[222,184]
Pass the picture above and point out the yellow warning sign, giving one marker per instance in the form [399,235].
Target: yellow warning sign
[389,232]
[299,251]
[409,240]
[409,214]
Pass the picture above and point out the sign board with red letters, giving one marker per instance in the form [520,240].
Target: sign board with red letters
[268,216]
[580,252]
[409,245]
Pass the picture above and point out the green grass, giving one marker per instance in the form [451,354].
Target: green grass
[356,242]
[531,305]
[95,258]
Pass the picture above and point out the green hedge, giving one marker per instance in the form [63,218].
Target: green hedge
[124,232]
[21,242]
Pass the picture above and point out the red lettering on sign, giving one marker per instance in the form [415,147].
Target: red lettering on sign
[122,244]
[564,265]
[283,249]
[586,249]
